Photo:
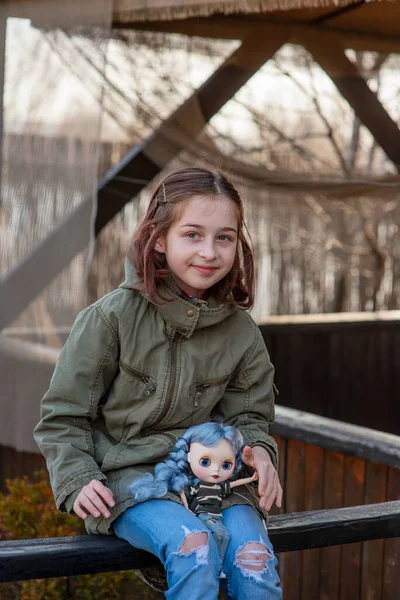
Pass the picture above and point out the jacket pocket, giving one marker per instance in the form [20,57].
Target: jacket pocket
[149,383]
[131,391]
[204,395]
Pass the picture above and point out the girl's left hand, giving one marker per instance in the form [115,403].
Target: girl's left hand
[269,488]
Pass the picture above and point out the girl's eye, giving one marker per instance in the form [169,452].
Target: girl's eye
[205,462]
[192,235]
[227,465]
[225,238]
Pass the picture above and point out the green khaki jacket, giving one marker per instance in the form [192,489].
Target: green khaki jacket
[133,376]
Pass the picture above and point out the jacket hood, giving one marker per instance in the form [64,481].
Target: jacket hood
[132,280]
[181,314]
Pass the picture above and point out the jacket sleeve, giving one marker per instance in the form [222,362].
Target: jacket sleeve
[84,371]
[248,402]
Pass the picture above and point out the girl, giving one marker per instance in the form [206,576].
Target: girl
[172,347]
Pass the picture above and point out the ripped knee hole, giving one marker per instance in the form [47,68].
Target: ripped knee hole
[253,556]
[193,541]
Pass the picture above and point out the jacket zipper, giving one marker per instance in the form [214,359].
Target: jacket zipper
[198,393]
[150,387]
[170,392]
[172,381]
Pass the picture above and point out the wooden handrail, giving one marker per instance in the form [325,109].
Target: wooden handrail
[363,442]
[56,557]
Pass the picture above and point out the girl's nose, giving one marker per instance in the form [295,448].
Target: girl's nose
[208,251]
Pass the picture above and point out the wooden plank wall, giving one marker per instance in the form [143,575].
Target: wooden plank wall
[349,371]
[15,464]
[314,478]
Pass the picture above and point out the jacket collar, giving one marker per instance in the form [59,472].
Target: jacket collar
[181,314]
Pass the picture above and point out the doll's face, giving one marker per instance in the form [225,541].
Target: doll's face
[212,464]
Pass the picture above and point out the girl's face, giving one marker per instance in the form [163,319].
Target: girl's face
[200,245]
[212,464]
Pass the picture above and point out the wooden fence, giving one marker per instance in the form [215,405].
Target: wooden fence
[345,370]
[316,479]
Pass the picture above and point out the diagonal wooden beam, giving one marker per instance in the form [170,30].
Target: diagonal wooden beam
[133,173]
[330,55]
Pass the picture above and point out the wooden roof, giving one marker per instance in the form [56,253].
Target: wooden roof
[373,25]
[363,25]
[155,10]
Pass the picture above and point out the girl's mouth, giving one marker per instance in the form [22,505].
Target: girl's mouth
[205,270]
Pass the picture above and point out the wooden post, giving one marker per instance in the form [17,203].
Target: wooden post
[3,33]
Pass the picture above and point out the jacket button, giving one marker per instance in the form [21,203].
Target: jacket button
[190,312]
[182,330]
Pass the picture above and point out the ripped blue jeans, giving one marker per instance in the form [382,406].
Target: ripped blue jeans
[190,555]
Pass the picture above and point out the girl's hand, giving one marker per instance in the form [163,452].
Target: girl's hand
[94,499]
[269,488]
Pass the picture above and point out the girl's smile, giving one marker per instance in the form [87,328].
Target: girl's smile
[200,246]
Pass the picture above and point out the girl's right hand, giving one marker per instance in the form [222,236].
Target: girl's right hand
[94,499]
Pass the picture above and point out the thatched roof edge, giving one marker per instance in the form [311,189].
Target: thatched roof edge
[127,11]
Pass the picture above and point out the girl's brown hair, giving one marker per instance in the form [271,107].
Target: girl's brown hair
[237,287]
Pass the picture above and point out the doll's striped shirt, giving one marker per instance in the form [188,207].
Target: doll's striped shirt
[207,497]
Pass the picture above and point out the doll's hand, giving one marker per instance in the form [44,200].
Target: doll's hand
[94,498]
[254,477]
[269,488]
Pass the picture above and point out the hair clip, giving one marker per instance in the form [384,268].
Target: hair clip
[164,194]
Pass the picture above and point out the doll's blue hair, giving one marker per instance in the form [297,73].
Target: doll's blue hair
[174,473]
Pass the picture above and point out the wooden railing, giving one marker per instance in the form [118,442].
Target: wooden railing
[56,557]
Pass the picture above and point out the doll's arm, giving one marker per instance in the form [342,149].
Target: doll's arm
[254,477]
[184,499]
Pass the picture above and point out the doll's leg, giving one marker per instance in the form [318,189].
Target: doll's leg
[182,543]
[218,531]
[250,563]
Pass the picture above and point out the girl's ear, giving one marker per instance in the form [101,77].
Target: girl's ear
[160,245]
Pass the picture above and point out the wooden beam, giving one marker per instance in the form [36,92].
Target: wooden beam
[238,28]
[57,557]
[24,351]
[331,57]
[221,28]
[133,173]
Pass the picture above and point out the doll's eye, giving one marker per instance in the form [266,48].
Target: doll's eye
[226,466]
[205,462]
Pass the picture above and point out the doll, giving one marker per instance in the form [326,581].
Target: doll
[200,468]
